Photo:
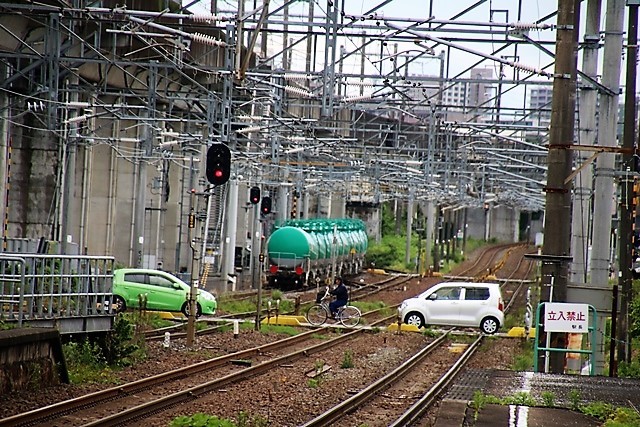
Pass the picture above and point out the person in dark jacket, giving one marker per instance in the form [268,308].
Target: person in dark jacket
[342,296]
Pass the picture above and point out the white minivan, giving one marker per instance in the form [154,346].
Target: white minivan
[456,304]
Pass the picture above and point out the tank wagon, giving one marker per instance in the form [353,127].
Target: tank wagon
[301,252]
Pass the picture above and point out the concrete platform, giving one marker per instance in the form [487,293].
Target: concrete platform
[565,389]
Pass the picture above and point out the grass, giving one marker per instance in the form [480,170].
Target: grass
[524,360]
[229,305]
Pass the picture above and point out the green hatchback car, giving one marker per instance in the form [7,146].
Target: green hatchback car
[163,291]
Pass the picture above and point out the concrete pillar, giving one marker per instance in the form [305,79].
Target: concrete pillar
[582,184]
[324,206]
[282,204]
[339,207]
[603,203]
[304,210]
[231,220]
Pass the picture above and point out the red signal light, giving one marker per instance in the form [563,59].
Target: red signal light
[265,207]
[218,168]
[254,195]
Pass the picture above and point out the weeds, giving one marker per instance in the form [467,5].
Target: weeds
[574,399]
[92,361]
[548,399]
[313,382]
[347,360]
[204,420]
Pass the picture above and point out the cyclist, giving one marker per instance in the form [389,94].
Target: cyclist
[342,296]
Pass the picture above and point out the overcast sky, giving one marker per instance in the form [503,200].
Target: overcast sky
[497,11]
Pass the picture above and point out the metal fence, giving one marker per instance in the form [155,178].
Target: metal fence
[36,287]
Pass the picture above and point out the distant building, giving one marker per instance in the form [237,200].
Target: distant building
[540,105]
[462,101]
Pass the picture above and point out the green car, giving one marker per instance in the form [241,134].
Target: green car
[163,291]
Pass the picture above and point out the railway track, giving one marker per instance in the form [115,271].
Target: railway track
[365,406]
[393,392]
[360,293]
[230,376]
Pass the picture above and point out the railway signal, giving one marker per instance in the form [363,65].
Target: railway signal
[218,164]
[265,207]
[254,195]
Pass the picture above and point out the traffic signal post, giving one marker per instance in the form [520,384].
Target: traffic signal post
[191,319]
[255,270]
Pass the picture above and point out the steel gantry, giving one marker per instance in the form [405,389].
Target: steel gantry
[108,108]
[373,106]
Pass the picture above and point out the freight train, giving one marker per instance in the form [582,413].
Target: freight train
[304,253]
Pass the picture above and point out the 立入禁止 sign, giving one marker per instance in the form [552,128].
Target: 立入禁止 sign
[566,317]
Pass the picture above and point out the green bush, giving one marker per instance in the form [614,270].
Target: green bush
[629,370]
[623,417]
[119,347]
[91,361]
[599,410]
[85,363]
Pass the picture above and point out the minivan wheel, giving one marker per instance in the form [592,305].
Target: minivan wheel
[185,309]
[414,319]
[489,325]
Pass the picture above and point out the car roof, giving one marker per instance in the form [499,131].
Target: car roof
[139,270]
[440,285]
[469,284]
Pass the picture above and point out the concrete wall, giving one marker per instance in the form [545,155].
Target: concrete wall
[31,359]
[500,223]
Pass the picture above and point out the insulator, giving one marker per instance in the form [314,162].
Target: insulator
[356,83]
[250,129]
[208,40]
[297,91]
[529,68]
[523,26]
[529,26]
[291,76]
[207,17]
[35,106]
[357,98]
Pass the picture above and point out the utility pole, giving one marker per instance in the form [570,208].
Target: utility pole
[605,170]
[627,213]
[557,227]
[582,187]
[70,159]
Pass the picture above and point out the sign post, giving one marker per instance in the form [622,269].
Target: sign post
[564,317]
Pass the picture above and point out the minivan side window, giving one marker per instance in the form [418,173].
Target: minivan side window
[448,293]
[477,294]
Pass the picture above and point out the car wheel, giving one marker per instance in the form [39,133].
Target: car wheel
[489,325]
[414,319]
[118,304]
[185,309]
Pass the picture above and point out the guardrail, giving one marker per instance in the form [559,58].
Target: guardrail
[36,287]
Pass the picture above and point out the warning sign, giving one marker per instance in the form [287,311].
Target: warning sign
[566,317]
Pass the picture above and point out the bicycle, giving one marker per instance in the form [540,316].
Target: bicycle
[348,315]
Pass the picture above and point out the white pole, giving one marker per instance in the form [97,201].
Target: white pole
[548,343]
